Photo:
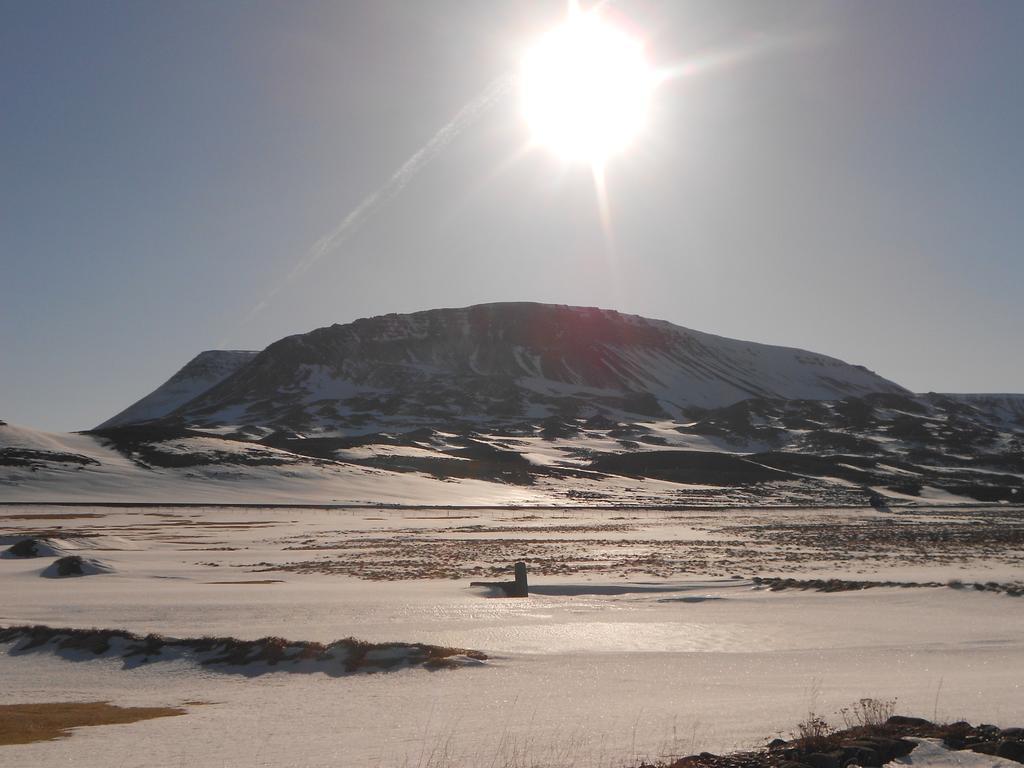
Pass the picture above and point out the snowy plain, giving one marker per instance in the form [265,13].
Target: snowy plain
[603,665]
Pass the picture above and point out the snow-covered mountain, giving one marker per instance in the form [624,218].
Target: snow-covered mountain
[510,361]
[529,404]
[197,376]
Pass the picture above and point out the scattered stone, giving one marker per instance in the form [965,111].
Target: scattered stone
[985,747]
[900,721]
[861,753]
[1011,749]
[867,746]
[825,760]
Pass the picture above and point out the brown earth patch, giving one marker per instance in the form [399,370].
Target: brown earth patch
[28,723]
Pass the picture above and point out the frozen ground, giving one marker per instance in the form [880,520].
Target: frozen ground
[638,642]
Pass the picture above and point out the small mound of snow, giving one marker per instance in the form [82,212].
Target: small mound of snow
[75,565]
[32,547]
[932,753]
[233,656]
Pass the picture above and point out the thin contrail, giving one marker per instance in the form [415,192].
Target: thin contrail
[390,189]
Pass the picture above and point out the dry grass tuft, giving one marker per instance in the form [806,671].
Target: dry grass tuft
[28,723]
[814,734]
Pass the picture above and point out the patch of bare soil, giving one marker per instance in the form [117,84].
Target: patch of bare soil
[27,723]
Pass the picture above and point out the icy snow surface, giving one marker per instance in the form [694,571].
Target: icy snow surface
[592,669]
[930,753]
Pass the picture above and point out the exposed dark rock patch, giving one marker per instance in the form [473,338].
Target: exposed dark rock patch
[69,566]
[33,458]
[870,746]
[154,445]
[822,452]
[75,565]
[777,584]
[30,547]
[255,656]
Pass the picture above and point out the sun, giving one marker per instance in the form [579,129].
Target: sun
[585,88]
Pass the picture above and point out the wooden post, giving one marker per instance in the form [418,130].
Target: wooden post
[520,588]
[517,588]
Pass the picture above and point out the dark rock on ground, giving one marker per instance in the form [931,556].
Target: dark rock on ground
[25,548]
[1012,750]
[869,746]
[862,753]
[69,566]
[824,760]
[900,721]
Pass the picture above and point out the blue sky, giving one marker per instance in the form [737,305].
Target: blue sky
[850,184]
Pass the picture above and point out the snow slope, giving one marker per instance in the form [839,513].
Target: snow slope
[1006,408]
[202,372]
[81,467]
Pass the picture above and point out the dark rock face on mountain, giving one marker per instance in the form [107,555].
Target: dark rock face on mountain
[964,445]
[502,362]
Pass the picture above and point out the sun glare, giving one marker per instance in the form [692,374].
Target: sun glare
[585,89]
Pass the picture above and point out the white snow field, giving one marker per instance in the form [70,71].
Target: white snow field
[933,754]
[607,662]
